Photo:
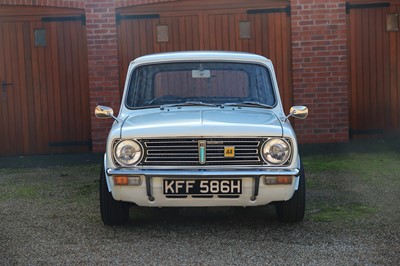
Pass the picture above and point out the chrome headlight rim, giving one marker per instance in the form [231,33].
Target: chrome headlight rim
[287,157]
[117,149]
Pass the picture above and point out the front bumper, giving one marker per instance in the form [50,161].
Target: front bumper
[150,192]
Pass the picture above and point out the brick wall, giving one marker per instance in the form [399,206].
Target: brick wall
[319,63]
[103,64]
[320,74]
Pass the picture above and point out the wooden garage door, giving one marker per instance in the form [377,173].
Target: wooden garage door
[44,89]
[261,27]
[375,69]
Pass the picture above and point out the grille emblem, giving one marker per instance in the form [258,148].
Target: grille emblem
[202,151]
[229,152]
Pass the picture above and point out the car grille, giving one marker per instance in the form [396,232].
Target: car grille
[185,152]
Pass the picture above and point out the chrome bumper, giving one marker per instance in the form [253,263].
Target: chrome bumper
[255,174]
[203,172]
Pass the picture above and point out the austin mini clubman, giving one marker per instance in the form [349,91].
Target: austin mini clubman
[201,129]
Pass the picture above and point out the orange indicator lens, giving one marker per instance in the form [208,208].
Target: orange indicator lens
[121,180]
[284,179]
[278,180]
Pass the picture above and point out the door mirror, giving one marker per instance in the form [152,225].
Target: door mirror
[300,112]
[104,112]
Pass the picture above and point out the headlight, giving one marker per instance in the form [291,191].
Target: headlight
[276,151]
[127,152]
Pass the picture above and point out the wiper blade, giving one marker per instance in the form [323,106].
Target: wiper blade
[249,103]
[162,107]
[257,104]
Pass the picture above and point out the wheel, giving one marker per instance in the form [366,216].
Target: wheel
[112,212]
[292,211]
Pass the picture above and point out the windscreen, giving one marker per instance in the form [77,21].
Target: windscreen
[206,82]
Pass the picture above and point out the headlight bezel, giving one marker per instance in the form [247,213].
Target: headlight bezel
[117,148]
[288,157]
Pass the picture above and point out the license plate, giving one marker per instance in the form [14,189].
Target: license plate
[202,186]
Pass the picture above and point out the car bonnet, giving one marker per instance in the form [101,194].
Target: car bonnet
[203,122]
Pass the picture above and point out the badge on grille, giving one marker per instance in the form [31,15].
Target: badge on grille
[229,152]
[202,151]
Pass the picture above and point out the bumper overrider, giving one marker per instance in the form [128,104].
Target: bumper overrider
[159,187]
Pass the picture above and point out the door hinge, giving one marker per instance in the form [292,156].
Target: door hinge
[81,18]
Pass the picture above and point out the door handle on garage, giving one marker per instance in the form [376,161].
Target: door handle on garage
[4,85]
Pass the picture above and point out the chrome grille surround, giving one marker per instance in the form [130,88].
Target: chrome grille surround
[185,151]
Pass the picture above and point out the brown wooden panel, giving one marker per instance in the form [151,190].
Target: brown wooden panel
[353,83]
[85,115]
[22,87]
[394,86]
[43,91]
[12,122]
[397,10]
[269,37]
[35,87]
[386,81]
[53,70]
[4,129]
[257,28]
[138,37]
[374,62]
[69,81]
[77,95]
[225,34]
[29,86]
[51,91]
[372,67]
[3,99]
[46,109]
[15,89]
[365,66]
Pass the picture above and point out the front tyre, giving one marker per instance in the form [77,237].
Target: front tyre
[292,211]
[112,212]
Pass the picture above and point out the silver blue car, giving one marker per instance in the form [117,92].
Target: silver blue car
[201,129]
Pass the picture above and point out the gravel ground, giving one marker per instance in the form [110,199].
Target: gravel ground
[50,215]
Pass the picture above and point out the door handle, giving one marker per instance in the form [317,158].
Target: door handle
[4,85]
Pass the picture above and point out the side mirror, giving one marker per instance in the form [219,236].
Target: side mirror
[104,112]
[300,112]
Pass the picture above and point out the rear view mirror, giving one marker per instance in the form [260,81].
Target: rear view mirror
[201,74]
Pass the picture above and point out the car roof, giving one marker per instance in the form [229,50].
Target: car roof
[201,56]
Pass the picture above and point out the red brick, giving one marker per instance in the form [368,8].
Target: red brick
[325,28]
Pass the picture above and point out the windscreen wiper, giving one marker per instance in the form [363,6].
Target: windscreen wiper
[248,103]
[190,103]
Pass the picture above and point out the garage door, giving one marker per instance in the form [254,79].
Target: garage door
[374,45]
[261,27]
[44,105]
